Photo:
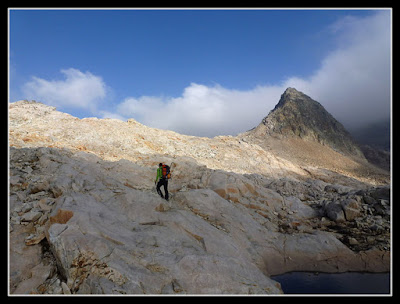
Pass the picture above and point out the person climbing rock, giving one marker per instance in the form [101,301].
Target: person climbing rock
[163,174]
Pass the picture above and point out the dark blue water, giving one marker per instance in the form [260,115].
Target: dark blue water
[334,283]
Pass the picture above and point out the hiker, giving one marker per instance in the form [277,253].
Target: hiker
[162,177]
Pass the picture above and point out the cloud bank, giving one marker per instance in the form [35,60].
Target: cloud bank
[78,90]
[352,83]
[202,110]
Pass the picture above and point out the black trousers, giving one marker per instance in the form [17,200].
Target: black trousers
[163,182]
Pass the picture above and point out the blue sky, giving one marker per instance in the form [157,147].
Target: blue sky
[214,71]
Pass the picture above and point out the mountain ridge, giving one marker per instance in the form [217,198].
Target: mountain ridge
[35,124]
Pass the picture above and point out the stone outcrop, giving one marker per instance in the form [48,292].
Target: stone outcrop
[296,114]
[108,233]
[85,217]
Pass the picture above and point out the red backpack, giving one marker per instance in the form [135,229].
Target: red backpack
[166,172]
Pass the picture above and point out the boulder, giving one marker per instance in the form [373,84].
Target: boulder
[335,212]
[299,209]
[351,209]
[38,275]
[31,216]
[22,258]
[381,193]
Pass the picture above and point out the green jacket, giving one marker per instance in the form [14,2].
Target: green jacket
[159,174]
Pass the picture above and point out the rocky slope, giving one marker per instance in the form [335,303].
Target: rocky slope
[296,114]
[299,129]
[85,217]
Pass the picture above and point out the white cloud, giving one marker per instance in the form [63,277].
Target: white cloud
[203,110]
[77,90]
[353,82]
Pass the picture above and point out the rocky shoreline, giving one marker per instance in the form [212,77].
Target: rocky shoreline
[359,218]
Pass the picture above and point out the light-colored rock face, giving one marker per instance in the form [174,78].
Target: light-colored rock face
[107,230]
[34,124]
[85,217]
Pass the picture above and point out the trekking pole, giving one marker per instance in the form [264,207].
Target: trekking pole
[170,168]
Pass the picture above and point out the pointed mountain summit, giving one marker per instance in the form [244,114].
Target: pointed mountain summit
[297,115]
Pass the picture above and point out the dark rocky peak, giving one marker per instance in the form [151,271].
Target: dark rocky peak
[291,95]
[297,114]
[297,100]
